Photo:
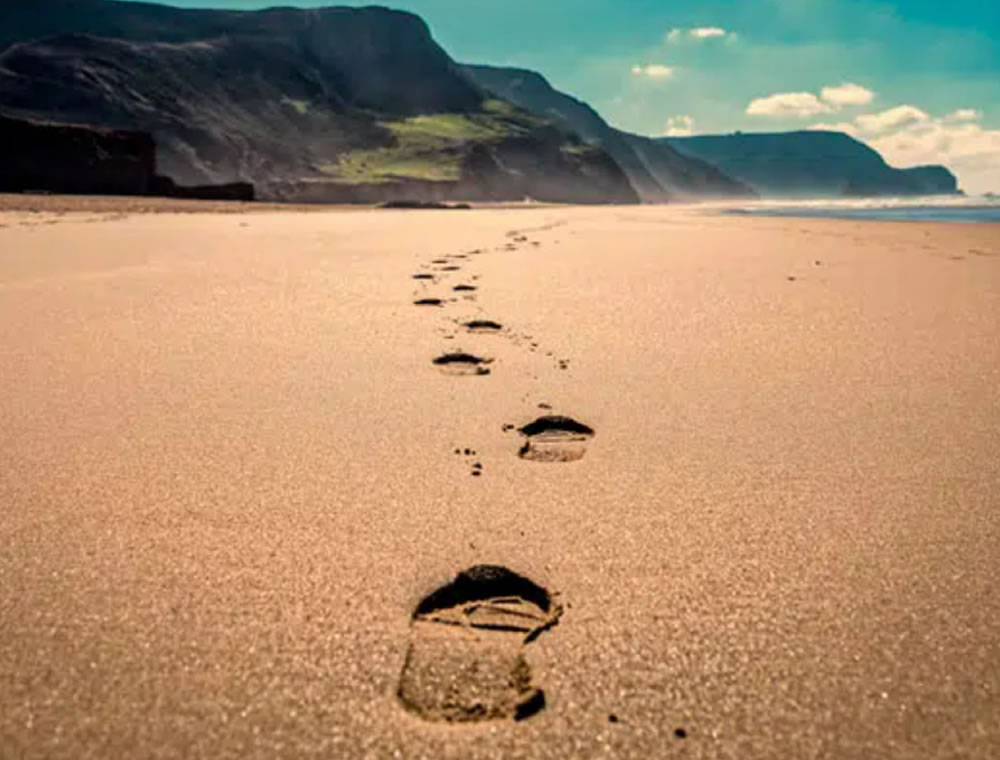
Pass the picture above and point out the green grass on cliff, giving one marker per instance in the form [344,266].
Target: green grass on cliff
[431,146]
[389,164]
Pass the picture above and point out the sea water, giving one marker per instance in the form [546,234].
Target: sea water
[927,209]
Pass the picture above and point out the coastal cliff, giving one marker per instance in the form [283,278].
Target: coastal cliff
[812,163]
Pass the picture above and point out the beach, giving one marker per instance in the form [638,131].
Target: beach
[231,471]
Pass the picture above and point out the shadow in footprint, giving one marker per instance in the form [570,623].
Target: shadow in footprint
[452,268]
[428,302]
[464,288]
[423,276]
[483,326]
[462,364]
[555,439]
[466,657]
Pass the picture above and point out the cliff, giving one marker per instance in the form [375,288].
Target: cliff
[334,103]
[812,164]
[69,159]
[81,160]
[656,171]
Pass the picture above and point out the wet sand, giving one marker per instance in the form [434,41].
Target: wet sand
[232,471]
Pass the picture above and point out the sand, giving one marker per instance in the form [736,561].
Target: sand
[229,477]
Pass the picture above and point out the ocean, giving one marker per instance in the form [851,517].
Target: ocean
[934,209]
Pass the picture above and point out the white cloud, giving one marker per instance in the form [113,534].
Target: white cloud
[804,104]
[965,114]
[847,94]
[700,33]
[653,71]
[894,118]
[909,136]
[707,32]
[970,151]
[797,104]
[843,126]
[679,126]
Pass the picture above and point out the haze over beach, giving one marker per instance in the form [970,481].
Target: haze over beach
[499,382]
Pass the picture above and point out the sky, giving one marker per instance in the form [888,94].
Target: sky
[918,80]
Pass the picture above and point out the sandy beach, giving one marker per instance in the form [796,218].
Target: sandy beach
[230,472]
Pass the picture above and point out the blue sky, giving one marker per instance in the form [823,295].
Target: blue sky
[924,76]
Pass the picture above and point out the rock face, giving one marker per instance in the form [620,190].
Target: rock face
[80,160]
[656,171]
[933,180]
[684,177]
[812,164]
[67,159]
[329,104]
[231,191]
[370,57]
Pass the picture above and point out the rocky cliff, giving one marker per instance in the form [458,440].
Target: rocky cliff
[68,159]
[812,164]
[325,104]
[656,171]
[80,160]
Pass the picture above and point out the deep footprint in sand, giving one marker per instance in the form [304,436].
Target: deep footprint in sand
[428,302]
[483,326]
[555,439]
[423,276]
[462,364]
[464,288]
[466,657]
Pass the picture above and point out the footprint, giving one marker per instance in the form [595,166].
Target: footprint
[439,261]
[465,288]
[428,302]
[476,467]
[451,268]
[462,364]
[466,657]
[555,439]
[423,276]
[483,326]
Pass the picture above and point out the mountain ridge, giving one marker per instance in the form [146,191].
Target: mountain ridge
[658,173]
[812,163]
[326,104]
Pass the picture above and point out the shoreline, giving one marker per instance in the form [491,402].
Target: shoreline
[35,205]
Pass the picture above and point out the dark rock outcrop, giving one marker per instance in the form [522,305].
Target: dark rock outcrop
[232,191]
[812,164]
[407,205]
[58,158]
[333,104]
[933,180]
[656,171]
[80,160]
